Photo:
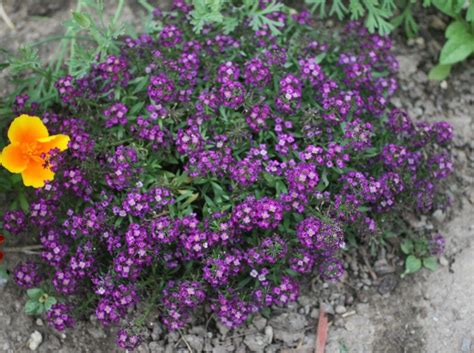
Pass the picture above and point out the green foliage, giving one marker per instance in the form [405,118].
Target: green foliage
[385,15]
[39,301]
[3,274]
[377,13]
[223,14]
[418,256]
[88,20]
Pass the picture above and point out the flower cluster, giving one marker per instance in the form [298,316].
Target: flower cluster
[229,168]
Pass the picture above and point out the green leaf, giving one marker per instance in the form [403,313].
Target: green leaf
[445,6]
[431,263]
[25,206]
[456,28]
[470,13]
[457,49]
[356,9]
[412,264]
[34,293]
[81,19]
[50,302]
[32,307]
[407,246]
[439,72]
[291,273]
[3,274]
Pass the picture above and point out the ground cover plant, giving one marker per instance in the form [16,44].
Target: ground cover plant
[185,173]
[385,16]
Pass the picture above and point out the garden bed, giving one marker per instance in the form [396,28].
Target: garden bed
[367,277]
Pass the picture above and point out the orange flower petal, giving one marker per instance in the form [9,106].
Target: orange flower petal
[27,128]
[35,174]
[13,159]
[56,141]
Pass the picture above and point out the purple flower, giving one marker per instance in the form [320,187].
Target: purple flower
[116,114]
[127,340]
[232,94]
[26,274]
[331,269]
[14,221]
[257,74]
[288,100]
[317,235]
[59,317]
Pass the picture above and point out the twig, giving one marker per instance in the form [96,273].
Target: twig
[185,342]
[5,17]
[367,263]
[28,249]
[349,313]
[240,335]
[322,331]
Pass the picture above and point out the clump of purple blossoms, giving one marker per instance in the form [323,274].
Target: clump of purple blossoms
[59,317]
[27,275]
[14,222]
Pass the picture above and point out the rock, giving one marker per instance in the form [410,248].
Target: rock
[196,342]
[52,344]
[156,333]
[198,330]
[314,313]
[143,348]
[172,337]
[466,345]
[219,349]
[340,309]
[288,327]
[223,330]
[96,332]
[44,7]
[439,216]
[35,340]
[259,322]
[408,64]
[443,261]
[387,284]
[437,23]
[269,333]
[328,308]
[381,267]
[443,84]
[241,349]
[420,41]
[156,347]
[39,322]
[256,342]
[170,348]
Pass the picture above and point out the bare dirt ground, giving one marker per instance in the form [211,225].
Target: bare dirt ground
[424,313]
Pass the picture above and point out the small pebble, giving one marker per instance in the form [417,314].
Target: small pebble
[443,85]
[314,313]
[439,216]
[39,322]
[466,345]
[35,340]
[443,261]
[340,309]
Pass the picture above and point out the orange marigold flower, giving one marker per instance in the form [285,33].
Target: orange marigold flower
[29,150]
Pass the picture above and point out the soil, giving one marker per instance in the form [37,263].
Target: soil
[423,313]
